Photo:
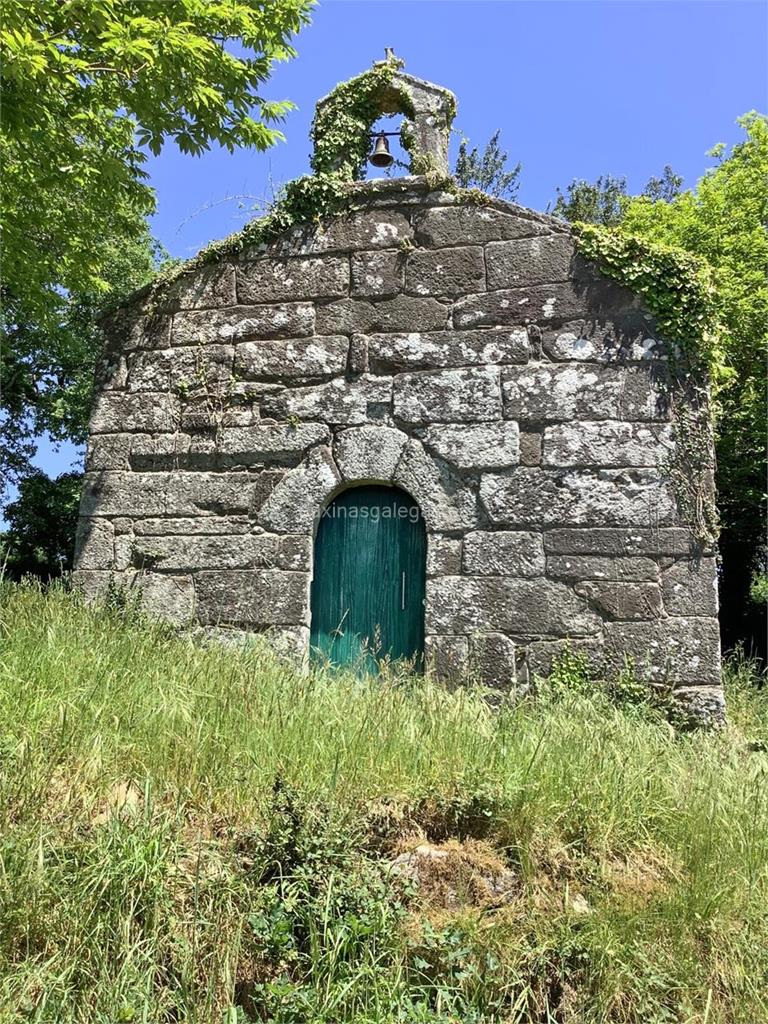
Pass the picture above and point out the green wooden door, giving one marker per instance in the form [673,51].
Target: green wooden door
[368,585]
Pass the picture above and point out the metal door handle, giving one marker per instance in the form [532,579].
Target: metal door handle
[402,593]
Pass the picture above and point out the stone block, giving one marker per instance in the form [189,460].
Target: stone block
[93,584]
[530,448]
[474,225]
[116,412]
[467,604]
[597,567]
[681,649]
[492,660]
[291,643]
[542,498]
[377,274]
[111,372]
[448,396]
[446,656]
[528,261]
[202,288]
[583,392]
[176,553]
[266,482]
[357,362]
[673,541]
[443,555]
[108,451]
[261,597]
[368,453]
[184,493]
[469,446]
[243,323]
[447,502]
[192,526]
[503,553]
[198,413]
[271,442]
[699,707]
[606,342]
[392,353]
[295,504]
[161,451]
[538,657]
[403,313]
[371,229]
[607,443]
[339,402]
[124,555]
[690,587]
[132,327]
[274,280]
[287,359]
[171,598]
[181,370]
[445,272]
[624,601]
[587,296]
[513,306]
[94,544]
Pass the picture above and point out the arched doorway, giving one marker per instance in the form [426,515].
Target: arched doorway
[369,578]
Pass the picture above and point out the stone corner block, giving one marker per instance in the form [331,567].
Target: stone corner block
[209,286]
[94,544]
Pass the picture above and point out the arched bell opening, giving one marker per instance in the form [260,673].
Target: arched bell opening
[368,585]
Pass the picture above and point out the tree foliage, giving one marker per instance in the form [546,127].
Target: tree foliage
[48,362]
[598,202]
[487,171]
[41,526]
[88,87]
[603,201]
[724,221]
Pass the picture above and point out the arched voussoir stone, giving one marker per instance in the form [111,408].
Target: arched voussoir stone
[369,453]
[447,502]
[295,504]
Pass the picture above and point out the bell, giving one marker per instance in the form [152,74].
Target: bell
[381,157]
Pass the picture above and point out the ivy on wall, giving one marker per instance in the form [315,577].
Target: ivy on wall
[676,287]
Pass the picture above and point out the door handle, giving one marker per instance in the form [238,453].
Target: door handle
[402,592]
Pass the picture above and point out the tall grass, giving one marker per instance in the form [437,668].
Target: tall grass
[202,833]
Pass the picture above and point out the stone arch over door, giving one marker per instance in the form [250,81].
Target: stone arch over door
[369,576]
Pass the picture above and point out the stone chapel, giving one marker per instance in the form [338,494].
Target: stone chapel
[424,427]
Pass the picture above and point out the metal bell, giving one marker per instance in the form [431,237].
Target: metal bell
[381,157]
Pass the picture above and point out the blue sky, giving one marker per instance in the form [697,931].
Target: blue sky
[578,88]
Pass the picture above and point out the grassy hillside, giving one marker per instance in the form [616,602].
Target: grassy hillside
[200,834]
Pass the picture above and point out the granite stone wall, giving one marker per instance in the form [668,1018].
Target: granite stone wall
[462,352]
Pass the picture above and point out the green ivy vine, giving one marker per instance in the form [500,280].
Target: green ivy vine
[676,287]
[341,129]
